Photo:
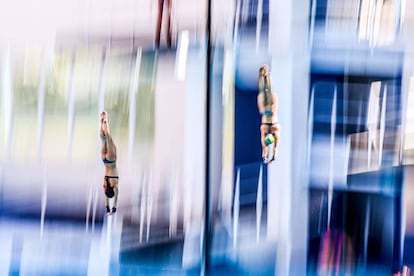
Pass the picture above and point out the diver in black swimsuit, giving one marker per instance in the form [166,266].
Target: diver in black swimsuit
[108,153]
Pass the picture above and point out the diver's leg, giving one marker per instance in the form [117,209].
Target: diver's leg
[111,149]
[105,135]
[263,131]
[104,147]
[169,36]
[115,206]
[105,185]
[276,134]
[108,209]
[159,23]
[104,141]
[104,117]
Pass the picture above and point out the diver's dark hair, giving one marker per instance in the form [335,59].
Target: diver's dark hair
[109,192]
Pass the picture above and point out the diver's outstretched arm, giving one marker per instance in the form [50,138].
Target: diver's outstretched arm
[105,130]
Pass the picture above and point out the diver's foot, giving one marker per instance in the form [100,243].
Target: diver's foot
[264,153]
[113,209]
[104,116]
[108,211]
[265,160]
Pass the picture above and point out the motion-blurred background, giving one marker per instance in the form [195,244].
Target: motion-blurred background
[178,79]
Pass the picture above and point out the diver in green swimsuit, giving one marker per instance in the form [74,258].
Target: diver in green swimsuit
[267,102]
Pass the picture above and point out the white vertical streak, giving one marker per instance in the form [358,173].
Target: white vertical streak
[101,89]
[407,111]
[135,196]
[95,205]
[230,24]
[108,235]
[377,22]
[259,203]
[236,26]
[8,103]
[44,200]
[227,172]
[330,7]
[372,118]
[364,20]
[71,107]
[101,100]
[144,199]
[369,149]
[188,199]
[310,125]
[382,125]
[41,105]
[227,77]
[366,229]
[359,122]
[245,11]
[331,158]
[370,21]
[312,24]
[321,209]
[402,11]
[181,57]
[132,103]
[236,209]
[46,69]
[149,203]
[271,29]
[259,17]
[356,14]
[369,117]
[88,206]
